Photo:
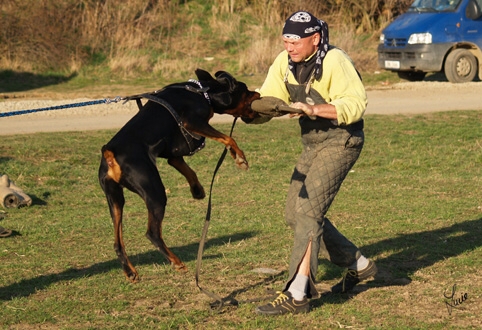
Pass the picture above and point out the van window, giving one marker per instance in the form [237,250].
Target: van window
[435,5]
[479,3]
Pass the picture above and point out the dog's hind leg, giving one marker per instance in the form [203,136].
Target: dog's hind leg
[115,198]
[116,208]
[143,179]
[154,234]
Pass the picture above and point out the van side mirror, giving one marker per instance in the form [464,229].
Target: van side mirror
[473,11]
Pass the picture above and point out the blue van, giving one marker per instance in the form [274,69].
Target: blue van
[435,36]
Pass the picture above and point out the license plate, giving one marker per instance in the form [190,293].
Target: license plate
[392,64]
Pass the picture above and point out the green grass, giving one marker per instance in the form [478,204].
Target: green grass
[412,203]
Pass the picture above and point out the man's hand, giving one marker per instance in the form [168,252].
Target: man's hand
[324,110]
[272,106]
[305,107]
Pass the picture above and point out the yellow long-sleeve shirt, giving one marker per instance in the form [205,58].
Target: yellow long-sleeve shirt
[339,85]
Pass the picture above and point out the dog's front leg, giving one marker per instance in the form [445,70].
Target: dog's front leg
[236,153]
[211,133]
[197,190]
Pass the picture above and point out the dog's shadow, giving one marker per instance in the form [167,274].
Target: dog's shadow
[415,251]
[187,253]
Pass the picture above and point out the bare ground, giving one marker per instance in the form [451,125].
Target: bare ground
[403,98]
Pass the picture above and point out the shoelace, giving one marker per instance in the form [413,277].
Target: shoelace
[280,299]
[351,272]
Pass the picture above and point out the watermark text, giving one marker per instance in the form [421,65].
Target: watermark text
[454,299]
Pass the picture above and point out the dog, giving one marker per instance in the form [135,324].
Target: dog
[173,123]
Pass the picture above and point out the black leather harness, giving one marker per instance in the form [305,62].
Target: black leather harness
[190,137]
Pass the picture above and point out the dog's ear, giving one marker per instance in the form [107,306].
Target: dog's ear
[203,75]
[225,78]
[223,74]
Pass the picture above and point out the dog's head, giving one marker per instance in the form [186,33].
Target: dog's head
[228,95]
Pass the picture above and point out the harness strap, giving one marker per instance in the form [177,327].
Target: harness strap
[188,136]
[201,89]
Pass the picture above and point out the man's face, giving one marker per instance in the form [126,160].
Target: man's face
[300,49]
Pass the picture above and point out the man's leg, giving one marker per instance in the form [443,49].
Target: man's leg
[315,182]
[342,252]
[293,300]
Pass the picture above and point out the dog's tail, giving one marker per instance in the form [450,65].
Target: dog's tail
[114,172]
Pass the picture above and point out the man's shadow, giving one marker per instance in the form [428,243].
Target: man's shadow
[413,252]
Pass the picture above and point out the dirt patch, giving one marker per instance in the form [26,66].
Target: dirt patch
[401,98]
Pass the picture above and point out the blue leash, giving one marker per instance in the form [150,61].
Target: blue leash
[58,107]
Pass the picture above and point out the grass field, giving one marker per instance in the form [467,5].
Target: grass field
[412,203]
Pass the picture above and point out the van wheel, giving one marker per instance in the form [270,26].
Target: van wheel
[411,75]
[460,66]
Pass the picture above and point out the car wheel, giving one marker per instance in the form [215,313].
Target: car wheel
[460,66]
[411,75]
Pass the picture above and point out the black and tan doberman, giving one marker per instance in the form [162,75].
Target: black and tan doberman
[172,123]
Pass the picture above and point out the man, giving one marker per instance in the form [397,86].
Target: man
[322,81]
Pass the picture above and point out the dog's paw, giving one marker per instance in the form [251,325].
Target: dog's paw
[182,268]
[242,163]
[197,192]
[132,277]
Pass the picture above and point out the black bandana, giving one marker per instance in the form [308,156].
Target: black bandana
[302,24]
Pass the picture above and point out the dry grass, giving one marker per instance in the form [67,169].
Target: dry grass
[169,38]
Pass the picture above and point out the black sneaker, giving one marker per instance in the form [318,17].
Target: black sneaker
[283,304]
[353,277]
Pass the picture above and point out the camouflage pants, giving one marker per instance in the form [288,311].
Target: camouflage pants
[327,157]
